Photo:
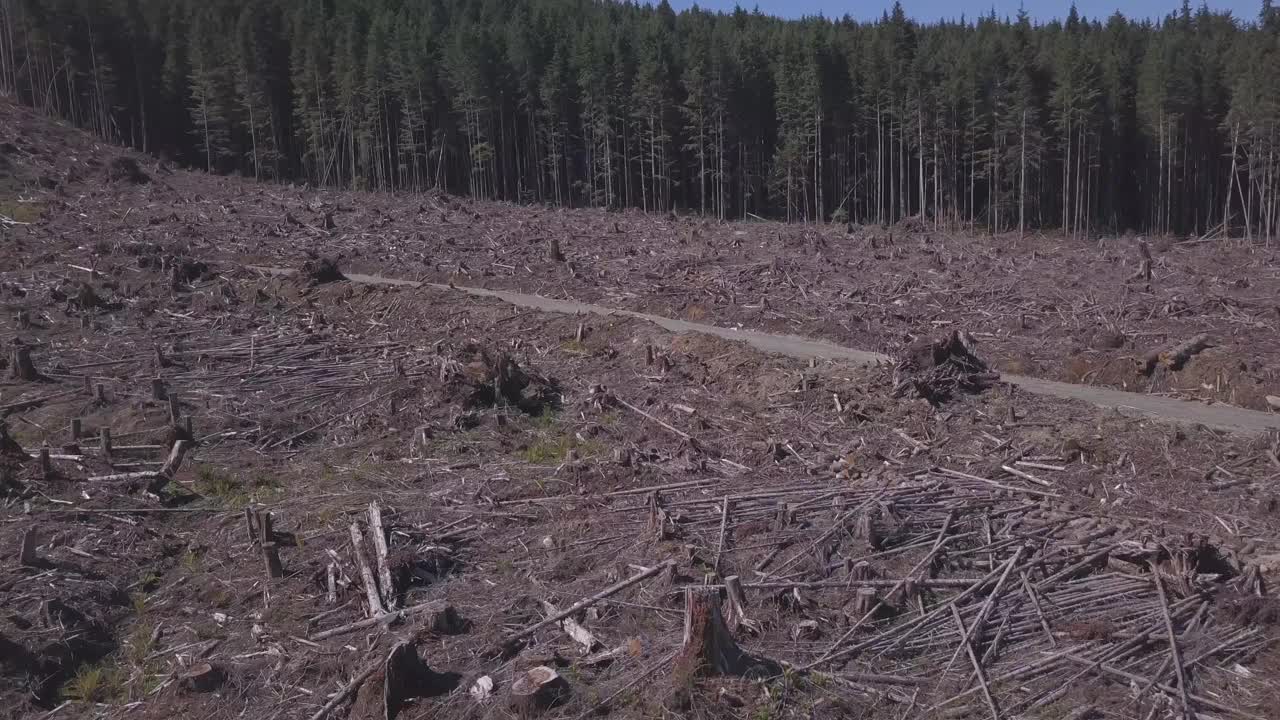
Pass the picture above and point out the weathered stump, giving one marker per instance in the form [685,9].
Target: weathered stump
[20,365]
[537,689]
[202,678]
[402,677]
[709,648]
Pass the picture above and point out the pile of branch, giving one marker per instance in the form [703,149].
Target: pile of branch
[937,369]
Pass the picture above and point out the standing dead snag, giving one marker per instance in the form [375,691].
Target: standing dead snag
[709,647]
[1144,267]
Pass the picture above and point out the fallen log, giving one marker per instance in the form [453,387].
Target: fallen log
[1176,357]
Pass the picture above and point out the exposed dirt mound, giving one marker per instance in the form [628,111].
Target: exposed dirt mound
[126,169]
[936,369]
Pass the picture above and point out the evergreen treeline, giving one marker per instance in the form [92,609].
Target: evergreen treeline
[1082,124]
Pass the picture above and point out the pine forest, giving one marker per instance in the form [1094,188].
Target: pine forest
[1000,124]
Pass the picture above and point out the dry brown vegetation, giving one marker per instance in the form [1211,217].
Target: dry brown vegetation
[413,503]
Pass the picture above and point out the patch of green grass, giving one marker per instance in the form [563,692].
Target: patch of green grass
[140,644]
[192,561]
[545,421]
[23,212]
[228,491]
[555,450]
[96,684]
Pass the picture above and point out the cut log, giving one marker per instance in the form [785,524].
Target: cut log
[537,689]
[1175,358]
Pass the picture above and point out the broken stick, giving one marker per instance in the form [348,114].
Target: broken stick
[366,575]
[589,601]
[380,556]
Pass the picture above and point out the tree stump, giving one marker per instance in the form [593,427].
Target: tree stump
[10,447]
[20,365]
[27,551]
[709,647]
[553,251]
[402,677]
[537,689]
[202,678]
[271,560]
[864,602]
[786,516]
[865,530]
[860,570]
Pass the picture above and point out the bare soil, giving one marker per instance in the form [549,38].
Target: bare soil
[520,458]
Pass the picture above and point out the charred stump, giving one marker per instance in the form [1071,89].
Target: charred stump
[403,677]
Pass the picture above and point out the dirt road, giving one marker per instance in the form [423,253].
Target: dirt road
[1219,417]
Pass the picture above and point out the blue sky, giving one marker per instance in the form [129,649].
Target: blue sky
[928,10]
